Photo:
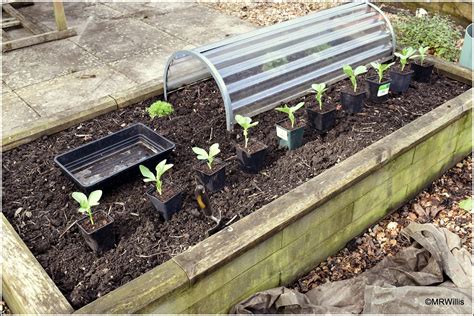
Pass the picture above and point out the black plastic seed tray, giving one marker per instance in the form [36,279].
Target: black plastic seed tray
[113,159]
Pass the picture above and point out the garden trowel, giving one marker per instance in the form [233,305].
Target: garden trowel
[204,205]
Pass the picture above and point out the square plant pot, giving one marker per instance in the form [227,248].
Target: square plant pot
[213,179]
[352,102]
[400,80]
[378,91]
[422,73]
[289,137]
[169,203]
[99,237]
[322,120]
[252,158]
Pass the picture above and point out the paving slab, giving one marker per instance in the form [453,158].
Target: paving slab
[200,25]
[112,40]
[5,88]
[15,112]
[34,64]
[149,8]
[70,91]
[146,66]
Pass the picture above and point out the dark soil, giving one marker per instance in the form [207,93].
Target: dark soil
[168,191]
[252,147]
[100,220]
[204,168]
[286,124]
[33,183]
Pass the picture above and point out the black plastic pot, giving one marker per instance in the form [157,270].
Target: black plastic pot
[321,121]
[252,158]
[378,91]
[400,80]
[102,238]
[290,138]
[114,159]
[166,208]
[352,102]
[422,73]
[213,180]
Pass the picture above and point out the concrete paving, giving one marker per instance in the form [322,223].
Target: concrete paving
[119,46]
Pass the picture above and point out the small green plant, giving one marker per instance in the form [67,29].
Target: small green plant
[381,68]
[319,88]
[421,54]
[352,74]
[86,203]
[435,31]
[161,168]
[290,111]
[202,154]
[406,53]
[466,204]
[160,109]
[246,123]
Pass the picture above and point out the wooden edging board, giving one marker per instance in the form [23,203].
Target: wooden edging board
[310,222]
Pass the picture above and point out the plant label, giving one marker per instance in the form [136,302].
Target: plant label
[383,89]
[282,133]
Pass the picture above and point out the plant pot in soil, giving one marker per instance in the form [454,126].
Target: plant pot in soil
[378,91]
[168,203]
[322,120]
[400,80]
[252,158]
[422,73]
[213,179]
[99,237]
[290,137]
[352,102]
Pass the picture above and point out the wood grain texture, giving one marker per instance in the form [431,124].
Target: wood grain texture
[33,28]
[26,286]
[59,15]
[37,39]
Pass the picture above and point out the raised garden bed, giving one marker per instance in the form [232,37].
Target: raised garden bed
[39,195]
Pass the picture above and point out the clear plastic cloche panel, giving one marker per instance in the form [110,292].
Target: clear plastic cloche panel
[259,70]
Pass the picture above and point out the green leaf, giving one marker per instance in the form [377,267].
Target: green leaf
[360,70]
[347,69]
[161,168]
[201,153]
[284,109]
[297,107]
[319,87]
[466,204]
[214,150]
[147,174]
[83,210]
[94,197]
[79,197]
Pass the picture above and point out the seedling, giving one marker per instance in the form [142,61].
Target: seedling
[161,168]
[160,109]
[290,111]
[421,54]
[320,88]
[204,155]
[352,74]
[86,204]
[245,122]
[381,68]
[406,53]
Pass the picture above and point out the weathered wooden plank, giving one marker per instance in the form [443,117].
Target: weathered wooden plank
[33,28]
[27,288]
[8,24]
[5,36]
[59,15]
[37,39]
[147,289]
[453,71]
